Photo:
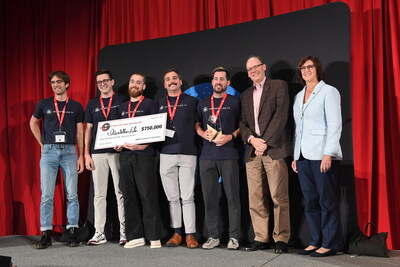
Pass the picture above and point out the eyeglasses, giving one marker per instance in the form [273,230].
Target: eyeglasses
[254,67]
[103,81]
[308,67]
[56,82]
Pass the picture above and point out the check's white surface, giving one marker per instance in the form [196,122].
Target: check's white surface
[138,130]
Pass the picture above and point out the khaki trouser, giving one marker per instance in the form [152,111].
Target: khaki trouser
[267,177]
[103,163]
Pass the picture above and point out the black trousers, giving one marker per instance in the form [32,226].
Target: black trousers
[138,182]
[210,171]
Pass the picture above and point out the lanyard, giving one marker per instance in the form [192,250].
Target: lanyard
[134,111]
[60,119]
[215,115]
[172,112]
[108,108]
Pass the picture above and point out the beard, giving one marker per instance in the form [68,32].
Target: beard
[219,89]
[135,92]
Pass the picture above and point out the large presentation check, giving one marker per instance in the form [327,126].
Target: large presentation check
[138,130]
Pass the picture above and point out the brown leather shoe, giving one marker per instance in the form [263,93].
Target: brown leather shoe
[175,240]
[191,242]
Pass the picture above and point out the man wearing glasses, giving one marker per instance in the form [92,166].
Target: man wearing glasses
[62,130]
[102,161]
[263,127]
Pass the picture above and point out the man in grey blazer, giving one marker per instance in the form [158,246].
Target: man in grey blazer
[263,127]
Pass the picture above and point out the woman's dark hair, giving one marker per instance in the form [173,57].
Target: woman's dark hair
[318,67]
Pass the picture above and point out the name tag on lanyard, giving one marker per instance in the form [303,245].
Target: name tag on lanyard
[60,137]
[169,133]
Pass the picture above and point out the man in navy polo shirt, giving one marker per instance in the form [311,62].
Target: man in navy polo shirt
[62,129]
[138,173]
[178,158]
[218,125]
[101,161]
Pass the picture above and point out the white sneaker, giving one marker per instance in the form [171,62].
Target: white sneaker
[122,239]
[211,243]
[155,244]
[233,243]
[97,239]
[135,243]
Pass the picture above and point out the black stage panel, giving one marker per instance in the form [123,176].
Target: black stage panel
[322,31]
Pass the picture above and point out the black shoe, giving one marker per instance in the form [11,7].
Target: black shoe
[257,245]
[45,241]
[72,239]
[331,252]
[281,247]
[306,252]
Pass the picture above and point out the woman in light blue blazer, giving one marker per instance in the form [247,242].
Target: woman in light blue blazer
[317,114]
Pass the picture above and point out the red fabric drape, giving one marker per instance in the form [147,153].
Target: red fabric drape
[41,36]
[6,197]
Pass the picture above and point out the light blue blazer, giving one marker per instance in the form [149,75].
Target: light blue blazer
[318,123]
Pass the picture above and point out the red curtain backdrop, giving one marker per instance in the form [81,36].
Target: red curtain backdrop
[38,37]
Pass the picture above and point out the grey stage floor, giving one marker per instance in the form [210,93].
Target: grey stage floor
[21,249]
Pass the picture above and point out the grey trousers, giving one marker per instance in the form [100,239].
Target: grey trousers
[103,163]
[178,179]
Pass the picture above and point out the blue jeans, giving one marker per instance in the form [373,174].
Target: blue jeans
[54,156]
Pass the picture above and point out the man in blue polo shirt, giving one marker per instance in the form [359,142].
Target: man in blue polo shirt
[178,158]
[62,129]
[101,161]
[218,125]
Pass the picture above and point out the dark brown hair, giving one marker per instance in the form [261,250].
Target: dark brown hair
[60,74]
[172,70]
[318,67]
[103,71]
[222,69]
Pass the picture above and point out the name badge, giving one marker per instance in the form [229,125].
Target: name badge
[169,133]
[60,137]
[170,130]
